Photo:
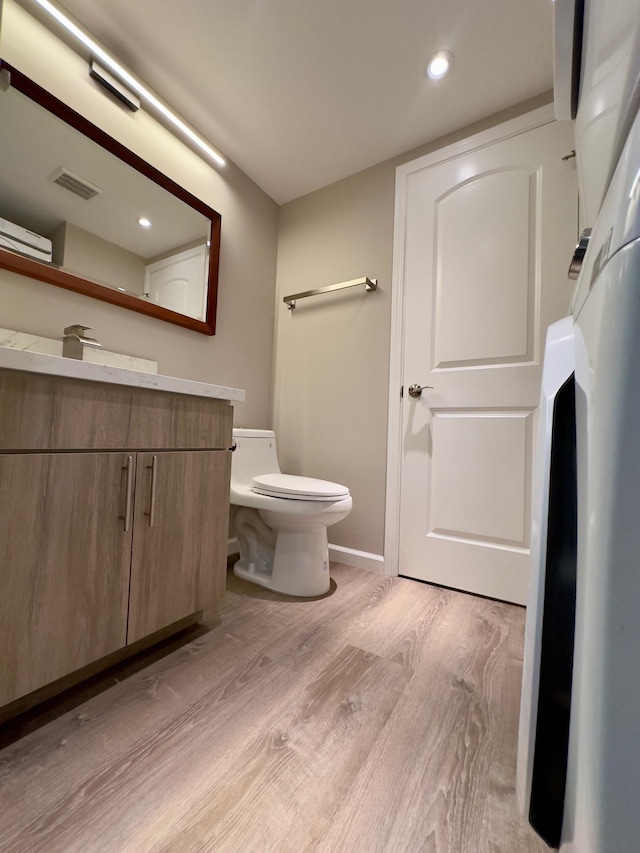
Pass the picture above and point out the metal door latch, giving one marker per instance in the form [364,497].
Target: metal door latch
[416,390]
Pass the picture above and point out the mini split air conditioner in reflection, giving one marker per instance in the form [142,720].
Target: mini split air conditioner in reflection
[24,242]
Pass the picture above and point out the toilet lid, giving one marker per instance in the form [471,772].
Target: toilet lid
[298,488]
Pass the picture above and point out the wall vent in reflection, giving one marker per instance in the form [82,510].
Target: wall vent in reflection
[74,183]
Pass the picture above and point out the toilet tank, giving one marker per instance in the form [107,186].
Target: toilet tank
[255,454]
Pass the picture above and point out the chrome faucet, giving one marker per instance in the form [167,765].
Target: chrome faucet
[75,341]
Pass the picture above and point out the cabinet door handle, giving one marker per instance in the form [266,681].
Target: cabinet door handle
[128,494]
[152,500]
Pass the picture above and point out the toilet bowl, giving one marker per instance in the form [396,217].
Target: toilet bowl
[281,520]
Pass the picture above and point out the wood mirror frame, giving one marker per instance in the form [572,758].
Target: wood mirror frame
[53,275]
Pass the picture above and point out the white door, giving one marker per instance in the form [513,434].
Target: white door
[486,239]
[179,282]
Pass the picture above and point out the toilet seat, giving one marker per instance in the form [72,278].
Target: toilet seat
[292,487]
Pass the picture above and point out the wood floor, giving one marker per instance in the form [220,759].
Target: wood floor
[382,717]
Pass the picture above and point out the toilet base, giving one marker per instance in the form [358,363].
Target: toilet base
[300,564]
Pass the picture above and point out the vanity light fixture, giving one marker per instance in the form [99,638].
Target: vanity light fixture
[104,57]
[144,222]
[115,86]
[439,65]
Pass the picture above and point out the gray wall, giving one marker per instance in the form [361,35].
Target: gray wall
[240,353]
[331,356]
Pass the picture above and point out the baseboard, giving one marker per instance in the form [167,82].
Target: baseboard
[359,559]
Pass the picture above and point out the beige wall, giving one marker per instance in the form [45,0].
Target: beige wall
[331,357]
[90,256]
[240,353]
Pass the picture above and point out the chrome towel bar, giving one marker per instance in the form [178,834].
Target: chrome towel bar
[369,283]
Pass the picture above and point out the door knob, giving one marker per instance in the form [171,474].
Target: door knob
[416,390]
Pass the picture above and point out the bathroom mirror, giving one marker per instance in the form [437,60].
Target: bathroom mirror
[86,201]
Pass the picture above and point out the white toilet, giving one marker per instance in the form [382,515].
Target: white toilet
[281,520]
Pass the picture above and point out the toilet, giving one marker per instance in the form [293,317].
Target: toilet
[281,520]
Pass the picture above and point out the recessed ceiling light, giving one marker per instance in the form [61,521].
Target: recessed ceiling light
[142,220]
[439,64]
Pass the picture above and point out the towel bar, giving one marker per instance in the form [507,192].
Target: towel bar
[369,283]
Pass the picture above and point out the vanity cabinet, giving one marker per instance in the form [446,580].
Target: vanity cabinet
[114,509]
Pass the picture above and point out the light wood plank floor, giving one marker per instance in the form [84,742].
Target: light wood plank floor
[382,717]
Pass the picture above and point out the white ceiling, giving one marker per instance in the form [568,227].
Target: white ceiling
[301,93]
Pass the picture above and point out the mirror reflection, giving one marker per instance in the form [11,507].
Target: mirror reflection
[74,206]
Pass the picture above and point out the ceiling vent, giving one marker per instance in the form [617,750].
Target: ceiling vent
[74,183]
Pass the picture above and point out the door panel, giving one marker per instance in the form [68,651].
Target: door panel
[177,552]
[481,476]
[487,238]
[483,307]
[64,562]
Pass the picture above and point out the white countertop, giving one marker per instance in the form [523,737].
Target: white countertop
[53,365]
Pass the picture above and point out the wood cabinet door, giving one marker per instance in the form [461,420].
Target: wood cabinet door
[181,514]
[64,564]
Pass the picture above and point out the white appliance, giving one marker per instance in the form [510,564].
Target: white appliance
[579,746]
[25,242]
